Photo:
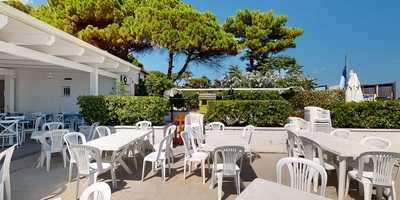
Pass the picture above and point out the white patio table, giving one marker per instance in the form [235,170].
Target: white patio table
[221,138]
[263,189]
[344,149]
[117,143]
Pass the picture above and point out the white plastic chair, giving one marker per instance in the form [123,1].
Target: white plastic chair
[143,144]
[381,176]
[92,128]
[302,173]
[101,131]
[215,126]
[97,191]
[376,142]
[36,125]
[193,155]
[161,157]
[247,133]
[52,126]
[70,139]
[225,165]
[343,133]
[52,142]
[300,124]
[293,142]
[5,185]
[83,155]
[9,131]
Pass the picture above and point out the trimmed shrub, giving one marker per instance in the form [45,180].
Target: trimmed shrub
[188,100]
[322,99]
[248,95]
[123,110]
[373,114]
[260,113]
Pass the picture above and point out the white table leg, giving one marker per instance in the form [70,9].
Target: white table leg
[123,164]
[342,178]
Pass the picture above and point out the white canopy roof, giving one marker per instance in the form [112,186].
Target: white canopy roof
[28,42]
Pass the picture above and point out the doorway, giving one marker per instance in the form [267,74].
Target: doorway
[2,92]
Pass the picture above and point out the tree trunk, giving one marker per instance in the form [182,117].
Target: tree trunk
[251,64]
[170,65]
[184,67]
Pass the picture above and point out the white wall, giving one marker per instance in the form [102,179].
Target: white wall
[42,90]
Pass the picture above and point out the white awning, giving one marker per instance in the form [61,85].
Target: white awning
[28,42]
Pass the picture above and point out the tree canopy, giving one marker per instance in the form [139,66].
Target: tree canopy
[261,35]
[184,32]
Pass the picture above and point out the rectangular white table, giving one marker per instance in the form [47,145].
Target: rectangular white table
[218,139]
[344,149]
[118,142]
[261,189]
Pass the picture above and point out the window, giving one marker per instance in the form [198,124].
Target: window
[66,91]
[203,102]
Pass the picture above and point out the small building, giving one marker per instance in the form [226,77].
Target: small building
[380,91]
[203,101]
[44,69]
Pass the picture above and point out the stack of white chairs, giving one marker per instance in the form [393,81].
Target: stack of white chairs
[5,184]
[294,146]
[320,119]
[225,164]
[194,124]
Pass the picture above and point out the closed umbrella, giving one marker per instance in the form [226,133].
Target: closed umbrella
[353,90]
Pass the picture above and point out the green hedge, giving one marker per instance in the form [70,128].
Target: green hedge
[260,113]
[323,99]
[374,114]
[123,110]
[248,95]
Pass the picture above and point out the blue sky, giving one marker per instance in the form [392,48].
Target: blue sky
[367,30]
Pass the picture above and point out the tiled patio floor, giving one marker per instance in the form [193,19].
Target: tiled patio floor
[29,183]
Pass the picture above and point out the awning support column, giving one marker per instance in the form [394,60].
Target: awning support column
[94,82]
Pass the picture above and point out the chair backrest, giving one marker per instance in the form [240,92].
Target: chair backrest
[52,126]
[74,138]
[170,130]
[248,132]
[5,158]
[83,155]
[143,125]
[59,117]
[229,155]
[101,131]
[312,150]
[92,128]
[38,122]
[293,140]
[194,123]
[9,126]
[376,142]
[215,126]
[321,127]
[343,133]
[302,173]
[97,191]
[18,117]
[165,146]
[56,139]
[383,166]
[300,123]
